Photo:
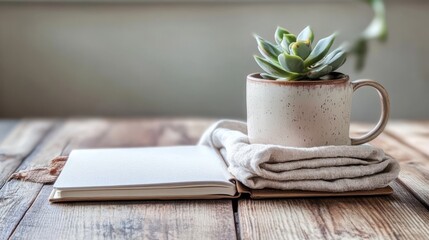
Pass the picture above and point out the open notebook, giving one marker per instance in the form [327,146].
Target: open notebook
[181,172]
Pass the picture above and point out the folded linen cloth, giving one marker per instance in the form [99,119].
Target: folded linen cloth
[325,168]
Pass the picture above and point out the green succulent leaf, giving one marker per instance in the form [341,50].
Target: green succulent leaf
[320,50]
[275,70]
[268,76]
[284,45]
[278,36]
[328,57]
[267,56]
[332,54]
[291,63]
[337,60]
[319,71]
[306,35]
[300,49]
[287,40]
[267,49]
[294,58]
[290,38]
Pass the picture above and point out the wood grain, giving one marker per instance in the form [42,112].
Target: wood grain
[397,216]
[17,196]
[414,164]
[19,143]
[153,132]
[415,134]
[6,126]
[131,220]
[128,220]
[25,211]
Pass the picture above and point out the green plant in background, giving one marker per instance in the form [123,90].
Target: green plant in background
[376,30]
[294,58]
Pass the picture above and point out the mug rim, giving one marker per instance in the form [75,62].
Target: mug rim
[256,77]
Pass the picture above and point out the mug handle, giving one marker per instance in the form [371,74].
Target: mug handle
[385,110]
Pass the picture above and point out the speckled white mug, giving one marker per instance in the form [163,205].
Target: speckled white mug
[307,113]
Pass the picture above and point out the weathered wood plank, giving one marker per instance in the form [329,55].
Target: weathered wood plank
[6,126]
[17,196]
[414,164]
[19,143]
[415,134]
[127,220]
[154,132]
[133,220]
[399,216]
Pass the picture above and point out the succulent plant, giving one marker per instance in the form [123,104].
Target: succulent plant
[294,58]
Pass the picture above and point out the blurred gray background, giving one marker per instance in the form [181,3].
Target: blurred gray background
[183,58]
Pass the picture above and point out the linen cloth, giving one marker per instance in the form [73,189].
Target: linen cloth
[325,168]
[43,174]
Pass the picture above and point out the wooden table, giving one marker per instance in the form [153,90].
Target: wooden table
[25,212]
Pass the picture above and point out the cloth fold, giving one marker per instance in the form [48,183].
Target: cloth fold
[325,168]
[46,174]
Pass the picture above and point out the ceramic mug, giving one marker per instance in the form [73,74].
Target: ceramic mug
[307,113]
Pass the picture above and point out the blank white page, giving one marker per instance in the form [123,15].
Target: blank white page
[143,167]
